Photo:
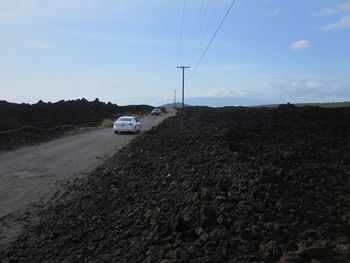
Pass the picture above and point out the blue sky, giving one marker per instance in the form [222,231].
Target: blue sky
[126,51]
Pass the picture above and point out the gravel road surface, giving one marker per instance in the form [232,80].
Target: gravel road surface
[34,173]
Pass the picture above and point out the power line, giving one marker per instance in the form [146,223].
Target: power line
[181,31]
[211,40]
[204,35]
[200,19]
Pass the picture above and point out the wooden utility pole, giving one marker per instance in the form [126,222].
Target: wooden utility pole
[174,99]
[183,96]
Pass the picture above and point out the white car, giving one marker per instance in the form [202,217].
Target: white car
[127,124]
[156,111]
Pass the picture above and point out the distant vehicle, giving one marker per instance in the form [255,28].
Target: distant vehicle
[156,111]
[127,124]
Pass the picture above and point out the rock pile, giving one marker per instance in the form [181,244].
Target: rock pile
[240,185]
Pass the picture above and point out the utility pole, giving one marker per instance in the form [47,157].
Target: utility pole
[174,99]
[183,95]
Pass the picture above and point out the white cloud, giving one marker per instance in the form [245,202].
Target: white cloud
[300,45]
[279,90]
[331,11]
[345,6]
[274,12]
[219,93]
[344,22]
[303,90]
[325,12]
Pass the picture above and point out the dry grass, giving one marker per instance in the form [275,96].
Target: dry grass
[107,123]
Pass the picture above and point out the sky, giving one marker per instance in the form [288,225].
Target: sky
[127,51]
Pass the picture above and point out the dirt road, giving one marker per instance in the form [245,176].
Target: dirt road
[34,173]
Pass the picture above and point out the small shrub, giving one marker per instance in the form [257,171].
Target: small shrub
[106,123]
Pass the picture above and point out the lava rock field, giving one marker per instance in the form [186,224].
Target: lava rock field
[43,116]
[239,185]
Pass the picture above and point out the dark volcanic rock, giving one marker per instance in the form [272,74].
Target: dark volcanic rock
[42,116]
[240,185]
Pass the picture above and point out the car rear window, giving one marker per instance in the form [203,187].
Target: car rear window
[124,119]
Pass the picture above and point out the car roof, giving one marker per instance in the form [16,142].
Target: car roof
[126,117]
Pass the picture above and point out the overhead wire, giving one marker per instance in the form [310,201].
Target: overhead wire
[181,31]
[212,39]
[198,24]
[203,36]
